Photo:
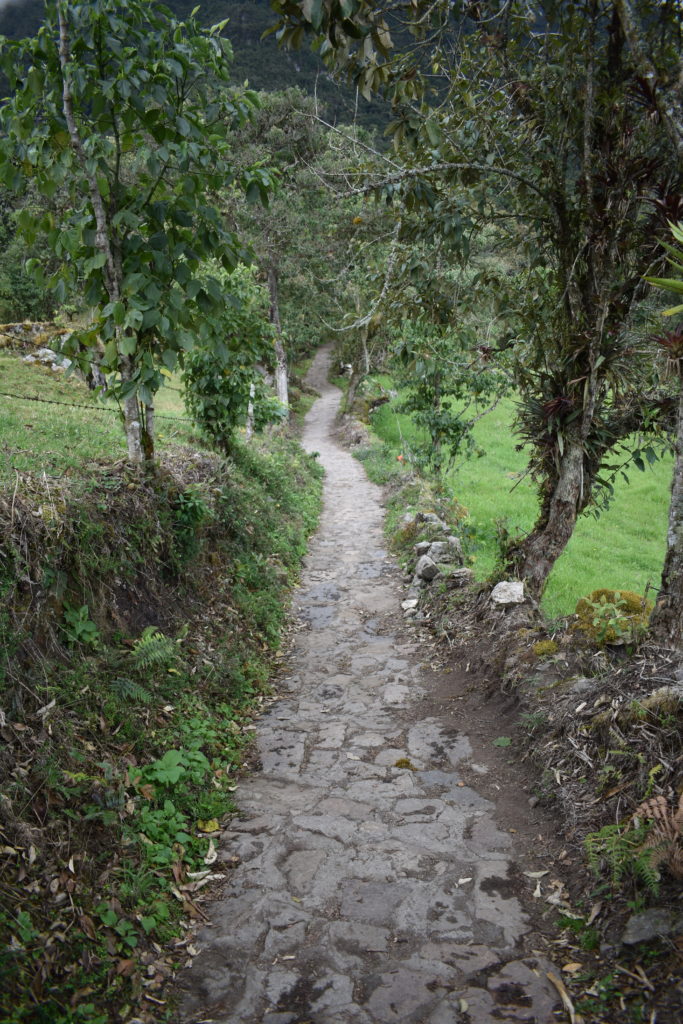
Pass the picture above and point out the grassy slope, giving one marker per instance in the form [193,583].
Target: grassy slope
[39,436]
[623,549]
[120,747]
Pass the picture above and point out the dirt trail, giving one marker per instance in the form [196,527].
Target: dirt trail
[367,892]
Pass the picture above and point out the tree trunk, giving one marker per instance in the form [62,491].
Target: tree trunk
[364,334]
[131,419]
[148,434]
[356,378]
[535,556]
[281,384]
[249,427]
[667,618]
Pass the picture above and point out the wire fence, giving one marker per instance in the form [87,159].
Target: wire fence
[89,408]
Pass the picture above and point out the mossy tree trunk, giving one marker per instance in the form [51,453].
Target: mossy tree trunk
[667,618]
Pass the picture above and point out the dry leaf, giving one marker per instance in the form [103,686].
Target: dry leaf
[596,909]
[88,925]
[574,1017]
[211,853]
[572,968]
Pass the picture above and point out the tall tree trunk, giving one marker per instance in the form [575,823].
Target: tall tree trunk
[364,335]
[132,424]
[535,556]
[281,384]
[667,618]
[148,434]
[249,428]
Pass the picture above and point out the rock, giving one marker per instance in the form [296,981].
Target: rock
[460,578]
[422,547]
[432,519]
[47,357]
[651,924]
[455,543]
[444,551]
[581,685]
[508,592]
[409,604]
[426,568]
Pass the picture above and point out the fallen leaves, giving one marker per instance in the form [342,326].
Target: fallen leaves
[565,997]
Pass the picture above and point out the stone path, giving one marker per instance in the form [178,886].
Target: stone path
[373,885]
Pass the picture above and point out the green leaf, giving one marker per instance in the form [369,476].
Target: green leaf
[128,345]
[253,192]
[502,741]
[669,284]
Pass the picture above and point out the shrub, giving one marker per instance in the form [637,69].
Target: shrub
[613,616]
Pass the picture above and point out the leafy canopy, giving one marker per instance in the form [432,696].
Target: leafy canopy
[131,178]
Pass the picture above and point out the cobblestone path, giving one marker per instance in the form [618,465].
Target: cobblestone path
[367,893]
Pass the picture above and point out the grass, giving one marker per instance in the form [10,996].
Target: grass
[40,436]
[143,619]
[623,549]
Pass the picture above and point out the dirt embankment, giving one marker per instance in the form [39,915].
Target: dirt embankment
[139,621]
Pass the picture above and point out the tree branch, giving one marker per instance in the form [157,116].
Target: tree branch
[102,237]
[669,103]
[415,172]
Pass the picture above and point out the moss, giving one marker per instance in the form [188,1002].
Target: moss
[610,616]
[544,648]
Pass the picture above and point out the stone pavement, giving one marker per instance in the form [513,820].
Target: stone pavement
[373,885]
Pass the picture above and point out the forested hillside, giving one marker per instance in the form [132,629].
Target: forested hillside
[260,61]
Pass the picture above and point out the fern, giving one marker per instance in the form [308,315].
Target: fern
[128,690]
[153,650]
[622,849]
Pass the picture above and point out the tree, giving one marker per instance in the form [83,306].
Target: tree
[667,618]
[447,363]
[537,117]
[301,242]
[222,379]
[126,113]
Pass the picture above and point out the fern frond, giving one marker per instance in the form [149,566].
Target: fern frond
[128,690]
[153,650]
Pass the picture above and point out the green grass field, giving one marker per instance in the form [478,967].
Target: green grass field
[53,438]
[622,549]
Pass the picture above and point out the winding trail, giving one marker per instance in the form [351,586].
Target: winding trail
[367,893]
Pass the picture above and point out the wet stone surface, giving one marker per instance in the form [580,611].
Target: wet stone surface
[374,886]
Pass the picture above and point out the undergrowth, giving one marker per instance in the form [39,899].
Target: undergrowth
[137,627]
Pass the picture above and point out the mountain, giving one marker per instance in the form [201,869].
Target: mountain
[259,61]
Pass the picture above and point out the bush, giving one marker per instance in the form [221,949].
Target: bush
[613,616]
